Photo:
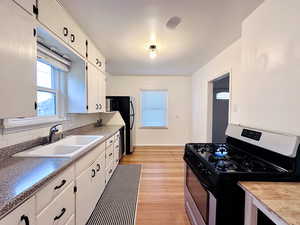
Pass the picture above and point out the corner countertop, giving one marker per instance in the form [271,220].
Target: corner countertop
[281,198]
[21,178]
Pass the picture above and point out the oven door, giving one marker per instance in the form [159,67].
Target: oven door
[200,203]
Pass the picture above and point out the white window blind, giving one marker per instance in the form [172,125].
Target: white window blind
[154,108]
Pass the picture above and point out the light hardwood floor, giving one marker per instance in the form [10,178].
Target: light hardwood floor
[161,198]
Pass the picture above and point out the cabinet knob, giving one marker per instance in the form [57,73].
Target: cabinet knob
[93,173]
[63,182]
[98,167]
[63,210]
[25,219]
[72,38]
[65,31]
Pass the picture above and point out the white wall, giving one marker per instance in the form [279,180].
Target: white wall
[179,106]
[265,73]
[227,61]
[271,68]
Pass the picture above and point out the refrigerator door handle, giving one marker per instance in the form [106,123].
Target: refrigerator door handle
[133,115]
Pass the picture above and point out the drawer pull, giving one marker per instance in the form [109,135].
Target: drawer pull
[111,141]
[63,182]
[61,214]
[25,219]
[93,173]
[117,146]
[110,171]
[98,167]
[110,154]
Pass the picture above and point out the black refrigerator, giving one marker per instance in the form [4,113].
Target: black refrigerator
[125,105]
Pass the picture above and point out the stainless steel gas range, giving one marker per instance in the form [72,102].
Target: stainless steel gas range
[212,196]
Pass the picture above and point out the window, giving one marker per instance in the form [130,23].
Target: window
[222,96]
[154,108]
[46,90]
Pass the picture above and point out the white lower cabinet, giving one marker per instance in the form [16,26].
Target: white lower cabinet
[60,210]
[24,214]
[85,196]
[59,202]
[71,221]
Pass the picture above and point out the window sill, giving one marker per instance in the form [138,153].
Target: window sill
[19,123]
[163,127]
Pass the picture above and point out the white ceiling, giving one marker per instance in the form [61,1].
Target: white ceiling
[123,30]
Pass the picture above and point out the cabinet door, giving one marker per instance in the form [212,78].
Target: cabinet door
[77,39]
[93,89]
[102,92]
[95,57]
[20,215]
[85,196]
[55,18]
[18,61]
[27,5]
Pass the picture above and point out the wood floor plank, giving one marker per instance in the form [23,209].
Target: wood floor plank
[161,196]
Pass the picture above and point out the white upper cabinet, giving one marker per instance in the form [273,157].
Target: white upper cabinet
[77,39]
[55,18]
[96,90]
[28,5]
[94,56]
[18,61]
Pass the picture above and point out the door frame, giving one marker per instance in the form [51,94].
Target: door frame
[210,93]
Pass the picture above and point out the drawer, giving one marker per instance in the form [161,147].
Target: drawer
[109,172]
[89,159]
[101,163]
[60,210]
[117,137]
[53,189]
[110,141]
[71,221]
[109,155]
[19,216]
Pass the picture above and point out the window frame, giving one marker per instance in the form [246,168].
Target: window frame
[166,126]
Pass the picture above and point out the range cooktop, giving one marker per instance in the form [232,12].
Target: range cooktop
[226,159]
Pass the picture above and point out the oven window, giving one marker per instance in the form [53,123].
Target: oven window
[199,194]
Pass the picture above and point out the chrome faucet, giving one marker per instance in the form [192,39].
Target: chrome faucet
[53,130]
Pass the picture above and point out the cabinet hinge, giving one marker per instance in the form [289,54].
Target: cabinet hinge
[35,105]
[35,10]
[86,43]
[75,189]
[34,32]
[86,67]
[87,107]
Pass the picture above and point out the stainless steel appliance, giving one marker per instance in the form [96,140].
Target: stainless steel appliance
[125,105]
[212,196]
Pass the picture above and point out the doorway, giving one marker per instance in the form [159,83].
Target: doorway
[220,108]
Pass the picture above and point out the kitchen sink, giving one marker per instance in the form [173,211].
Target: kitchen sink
[67,147]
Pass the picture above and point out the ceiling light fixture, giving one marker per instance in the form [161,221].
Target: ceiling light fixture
[153,51]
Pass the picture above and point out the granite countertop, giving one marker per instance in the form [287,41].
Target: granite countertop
[282,198]
[21,178]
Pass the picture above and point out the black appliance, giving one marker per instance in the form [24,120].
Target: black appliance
[125,105]
[212,196]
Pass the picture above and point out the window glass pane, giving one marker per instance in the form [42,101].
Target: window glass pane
[222,96]
[44,75]
[46,103]
[154,108]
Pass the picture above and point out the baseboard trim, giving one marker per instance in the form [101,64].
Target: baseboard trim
[158,147]
[163,145]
